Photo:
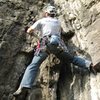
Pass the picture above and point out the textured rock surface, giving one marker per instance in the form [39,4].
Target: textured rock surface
[84,17]
[54,83]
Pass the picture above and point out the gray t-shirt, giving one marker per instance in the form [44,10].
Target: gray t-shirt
[48,26]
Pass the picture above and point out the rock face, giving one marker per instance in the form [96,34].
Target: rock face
[82,16]
[56,81]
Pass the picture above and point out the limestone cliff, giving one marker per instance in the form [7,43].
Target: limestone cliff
[56,80]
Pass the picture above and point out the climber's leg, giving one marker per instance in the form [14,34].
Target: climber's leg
[76,60]
[31,72]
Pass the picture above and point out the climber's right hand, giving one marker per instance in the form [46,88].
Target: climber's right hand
[30,30]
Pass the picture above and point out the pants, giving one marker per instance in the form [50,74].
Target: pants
[32,69]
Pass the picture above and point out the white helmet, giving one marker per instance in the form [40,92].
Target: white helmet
[51,10]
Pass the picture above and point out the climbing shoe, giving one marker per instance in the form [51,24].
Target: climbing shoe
[93,70]
[20,91]
[97,67]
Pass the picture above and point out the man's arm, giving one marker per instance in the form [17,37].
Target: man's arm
[35,26]
[30,30]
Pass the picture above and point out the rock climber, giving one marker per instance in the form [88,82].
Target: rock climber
[50,42]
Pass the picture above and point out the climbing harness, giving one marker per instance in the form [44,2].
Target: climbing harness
[50,39]
[41,45]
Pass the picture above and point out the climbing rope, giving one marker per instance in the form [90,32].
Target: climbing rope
[48,79]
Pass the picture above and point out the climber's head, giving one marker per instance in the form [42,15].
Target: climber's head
[50,11]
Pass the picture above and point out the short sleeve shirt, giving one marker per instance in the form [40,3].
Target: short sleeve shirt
[48,26]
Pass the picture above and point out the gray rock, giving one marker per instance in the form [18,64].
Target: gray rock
[56,80]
